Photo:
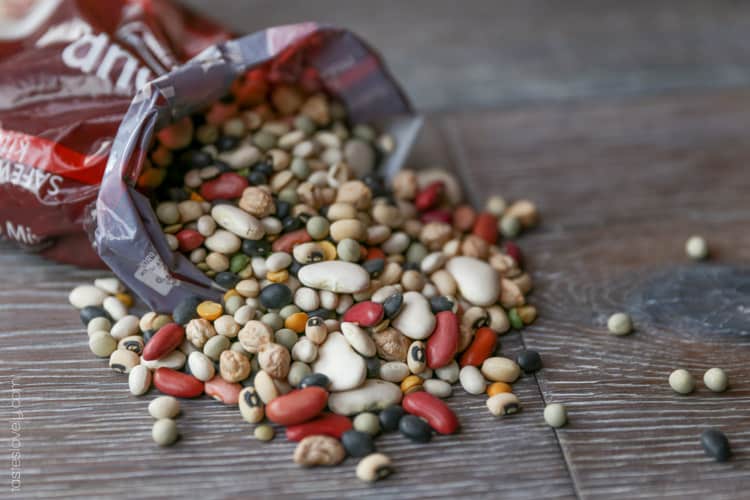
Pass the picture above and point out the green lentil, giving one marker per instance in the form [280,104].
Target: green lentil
[367,422]
[233,303]
[348,250]
[287,311]
[305,124]
[239,262]
[681,381]
[300,168]
[264,140]
[289,195]
[317,227]
[716,379]
[515,320]
[215,346]
[510,226]
[416,252]
[264,432]
[274,320]
[207,133]
[364,132]
[98,324]
[286,337]
[620,324]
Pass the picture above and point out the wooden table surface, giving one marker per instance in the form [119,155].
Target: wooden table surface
[621,183]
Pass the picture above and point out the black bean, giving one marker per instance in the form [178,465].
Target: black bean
[315,379]
[357,444]
[256,248]
[257,178]
[716,445]
[440,303]
[147,335]
[292,224]
[90,312]
[373,367]
[275,296]
[282,209]
[376,185]
[294,267]
[178,194]
[321,313]
[415,429]
[227,143]
[264,167]
[223,166]
[392,305]
[529,361]
[195,158]
[374,267]
[390,417]
[226,279]
[410,266]
[186,310]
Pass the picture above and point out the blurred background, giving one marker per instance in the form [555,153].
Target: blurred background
[453,55]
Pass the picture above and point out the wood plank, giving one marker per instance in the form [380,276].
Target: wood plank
[621,187]
[485,53]
[84,435]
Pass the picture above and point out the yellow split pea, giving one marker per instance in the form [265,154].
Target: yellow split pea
[209,310]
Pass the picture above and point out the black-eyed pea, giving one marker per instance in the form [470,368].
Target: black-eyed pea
[374,467]
[416,358]
[201,366]
[132,343]
[498,319]
[123,360]
[504,403]
[316,330]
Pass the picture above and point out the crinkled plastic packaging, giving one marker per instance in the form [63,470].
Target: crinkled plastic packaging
[127,234]
[68,73]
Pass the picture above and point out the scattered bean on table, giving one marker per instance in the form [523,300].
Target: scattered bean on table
[346,296]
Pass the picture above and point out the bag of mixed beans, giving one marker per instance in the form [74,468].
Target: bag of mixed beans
[230,127]
[68,72]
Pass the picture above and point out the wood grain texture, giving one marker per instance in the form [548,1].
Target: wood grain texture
[454,55]
[84,435]
[622,186]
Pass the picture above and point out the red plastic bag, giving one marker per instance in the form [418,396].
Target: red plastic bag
[68,72]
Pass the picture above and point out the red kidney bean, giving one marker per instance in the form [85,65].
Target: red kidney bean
[221,390]
[515,252]
[464,217]
[227,186]
[298,406]
[442,344]
[177,384]
[436,216]
[219,112]
[167,339]
[364,314]
[438,415]
[328,424]
[485,226]
[429,196]
[481,347]
[375,253]
[288,241]
[189,239]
